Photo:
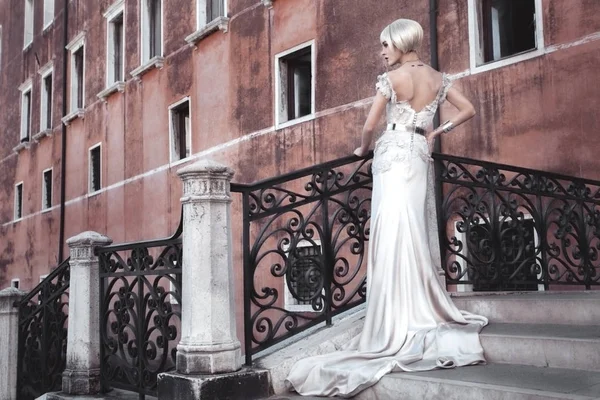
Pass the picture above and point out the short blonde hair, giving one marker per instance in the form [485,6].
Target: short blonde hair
[405,34]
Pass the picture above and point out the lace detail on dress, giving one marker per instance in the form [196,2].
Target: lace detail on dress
[383,86]
[394,147]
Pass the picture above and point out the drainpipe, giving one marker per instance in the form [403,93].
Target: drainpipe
[63,156]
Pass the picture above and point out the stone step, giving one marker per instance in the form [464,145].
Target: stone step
[565,308]
[543,345]
[490,382]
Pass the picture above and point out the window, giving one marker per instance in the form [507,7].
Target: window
[28,34]
[46,98]
[151,29]
[181,132]
[518,243]
[19,201]
[47,189]
[48,12]
[214,9]
[304,278]
[25,112]
[76,78]
[295,86]
[95,181]
[504,30]
[14,283]
[115,44]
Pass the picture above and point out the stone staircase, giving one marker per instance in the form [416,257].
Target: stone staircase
[541,345]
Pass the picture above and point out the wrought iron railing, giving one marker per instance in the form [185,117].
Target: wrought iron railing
[511,228]
[304,242]
[140,312]
[42,349]
[501,228]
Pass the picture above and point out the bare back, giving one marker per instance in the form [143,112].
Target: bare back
[419,86]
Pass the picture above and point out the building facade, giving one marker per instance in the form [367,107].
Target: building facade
[96,118]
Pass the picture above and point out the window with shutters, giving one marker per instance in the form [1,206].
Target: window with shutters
[95,168]
[18,201]
[48,13]
[504,32]
[295,85]
[180,129]
[28,24]
[47,189]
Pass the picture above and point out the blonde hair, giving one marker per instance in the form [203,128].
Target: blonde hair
[405,34]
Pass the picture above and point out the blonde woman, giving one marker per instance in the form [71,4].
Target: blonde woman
[411,323]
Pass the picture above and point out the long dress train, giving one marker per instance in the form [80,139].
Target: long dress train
[411,323]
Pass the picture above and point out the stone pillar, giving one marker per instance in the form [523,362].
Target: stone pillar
[82,373]
[210,346]
[9,342]
[209,356]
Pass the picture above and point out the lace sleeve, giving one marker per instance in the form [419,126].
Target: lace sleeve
[446,85]
[383,86]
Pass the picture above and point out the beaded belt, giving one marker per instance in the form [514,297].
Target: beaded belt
[408,128]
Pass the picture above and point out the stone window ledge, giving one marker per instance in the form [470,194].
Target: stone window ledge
[268,3]
[38,136]
[154,62]
[21,146]
[115,87]
[78,113]
[218,24]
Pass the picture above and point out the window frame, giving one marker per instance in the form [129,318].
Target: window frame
[115,11]
[280,98]
[17,281]
[145,32]
[16,216]
[26,120]
[45,111]
[476,66]
[28,23]
[78,43]
[48,4]
[91,189]
[172,110]
[47,206]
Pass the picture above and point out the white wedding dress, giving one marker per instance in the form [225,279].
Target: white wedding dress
[411,323]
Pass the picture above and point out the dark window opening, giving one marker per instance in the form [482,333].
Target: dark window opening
[180,116]
[215,9]
[155,26]
[118,48]
[297,81]
[48,100]
[19,201]
[78,57]
[47,192]
[304,275]
[95,169]
[507,28]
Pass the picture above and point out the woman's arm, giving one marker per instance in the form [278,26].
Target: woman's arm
[466,111]
[377,110]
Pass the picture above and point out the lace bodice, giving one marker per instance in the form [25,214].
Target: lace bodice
[402,144]
[401,112]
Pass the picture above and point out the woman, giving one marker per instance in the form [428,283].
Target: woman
[411,323]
